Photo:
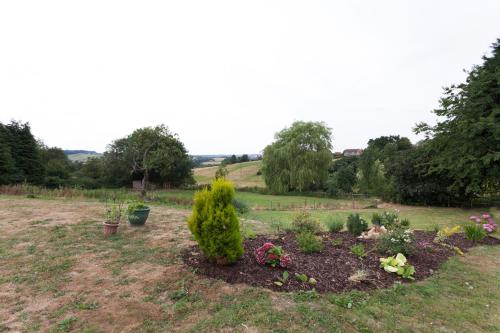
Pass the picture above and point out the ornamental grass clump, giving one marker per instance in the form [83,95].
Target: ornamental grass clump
[214,223]
[474,232]
[334,224]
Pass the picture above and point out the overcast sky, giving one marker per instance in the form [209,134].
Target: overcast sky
[226,75]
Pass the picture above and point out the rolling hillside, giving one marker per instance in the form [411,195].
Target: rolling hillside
[242,174]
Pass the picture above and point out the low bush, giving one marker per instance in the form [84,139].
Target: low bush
[395,241]
[358,250]
[270,254]
[303,222]
[309,243]
[356,225]
[474,232]
[241,207]
[389,220]
[214,223]
[334,224]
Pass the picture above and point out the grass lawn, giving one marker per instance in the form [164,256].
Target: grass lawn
[58,273]
[242,174]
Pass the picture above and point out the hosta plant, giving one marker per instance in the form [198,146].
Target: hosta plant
[399,265]
[270,254]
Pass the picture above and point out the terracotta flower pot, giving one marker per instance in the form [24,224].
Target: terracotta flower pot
[110,228]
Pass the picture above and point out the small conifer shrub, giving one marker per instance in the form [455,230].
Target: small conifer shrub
[214,223]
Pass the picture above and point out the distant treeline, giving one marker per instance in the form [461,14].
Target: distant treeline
[152,155]
[457,162]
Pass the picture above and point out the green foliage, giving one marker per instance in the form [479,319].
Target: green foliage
[283,279]
[474,232]
[398,265]
[358,250]
[114,213]
[343,176]
[221,172]
[20,159]
[303,222]
[334,224]
[308,242]
[299,158]
[337,242]
[136,205]
[464,144]
[153,154]
[214,223]
[356,225]
[241,206]
[398,240]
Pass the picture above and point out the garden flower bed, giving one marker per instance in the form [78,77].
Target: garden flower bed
[334,268]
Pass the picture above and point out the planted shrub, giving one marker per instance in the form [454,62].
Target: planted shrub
[474,232]
[396,241]
[240,206]
[272,255]
[214,223]
[356,225]
[304,223]
[334,224]
[358,250]
[309,243]
[389,220]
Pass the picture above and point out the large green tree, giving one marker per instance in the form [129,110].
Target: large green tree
[465,142]
[56,165]
[25,152]
[299,158]
[7,163]
[154,154]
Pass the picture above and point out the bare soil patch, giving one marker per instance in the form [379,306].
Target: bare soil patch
[331,267]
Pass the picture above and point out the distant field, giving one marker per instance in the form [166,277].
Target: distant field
[241,174]
[82,157]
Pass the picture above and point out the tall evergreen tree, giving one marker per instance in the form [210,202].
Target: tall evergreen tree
[7,164]
[466,141]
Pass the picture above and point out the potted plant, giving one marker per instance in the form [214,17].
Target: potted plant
[113,218]
[137,213]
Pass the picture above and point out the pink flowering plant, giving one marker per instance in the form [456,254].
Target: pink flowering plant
[270,254]
[486,220]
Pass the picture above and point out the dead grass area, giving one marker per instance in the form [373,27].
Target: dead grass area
[58,273]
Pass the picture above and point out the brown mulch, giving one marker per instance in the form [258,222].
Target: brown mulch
[331,267]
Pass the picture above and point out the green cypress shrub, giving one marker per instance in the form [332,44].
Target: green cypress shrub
[215,225]
[356,225]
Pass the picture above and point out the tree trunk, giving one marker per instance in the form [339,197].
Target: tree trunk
[144,183]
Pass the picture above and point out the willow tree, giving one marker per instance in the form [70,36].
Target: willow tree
[299,158]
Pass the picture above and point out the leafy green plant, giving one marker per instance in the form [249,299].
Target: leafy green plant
[114,213]
[282,280]
[356,225]
[214,223]
[337,242]
[334,224]
[248,233]
[474,232]
[305,278]
[240,206]
[136,205]
[309,243]
[358,250]
[398,265]
[398,240]
[304,223]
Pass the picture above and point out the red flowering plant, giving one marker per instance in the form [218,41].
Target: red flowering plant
[270,254]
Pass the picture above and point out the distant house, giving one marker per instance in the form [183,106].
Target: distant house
[352,152]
